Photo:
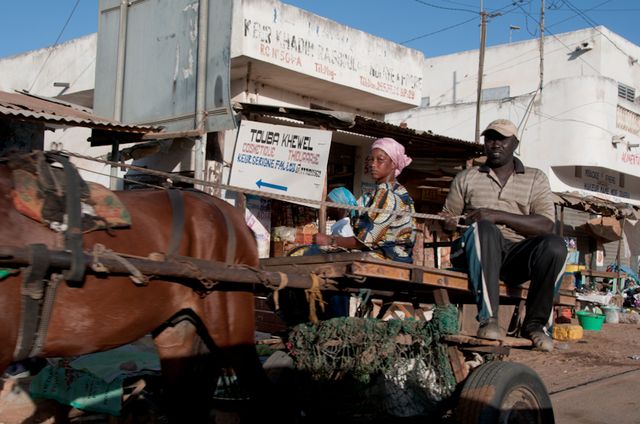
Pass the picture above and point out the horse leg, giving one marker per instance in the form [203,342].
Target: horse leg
[188,373]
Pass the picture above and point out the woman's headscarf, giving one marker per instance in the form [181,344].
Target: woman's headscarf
[395,151]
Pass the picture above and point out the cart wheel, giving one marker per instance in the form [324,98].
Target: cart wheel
[504,392]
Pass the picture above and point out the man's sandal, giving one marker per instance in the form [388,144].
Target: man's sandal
[541,340]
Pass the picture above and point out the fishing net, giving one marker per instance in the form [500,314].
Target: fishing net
[398,366]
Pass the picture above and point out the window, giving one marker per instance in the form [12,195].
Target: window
[425,101]
[496,93]
[626,92]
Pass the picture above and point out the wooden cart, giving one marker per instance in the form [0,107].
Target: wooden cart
[497,391]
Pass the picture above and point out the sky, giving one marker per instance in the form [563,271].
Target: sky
[435,27]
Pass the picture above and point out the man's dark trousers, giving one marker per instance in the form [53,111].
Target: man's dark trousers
[488,258]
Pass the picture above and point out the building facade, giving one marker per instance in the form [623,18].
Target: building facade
[280,55]
[582,127]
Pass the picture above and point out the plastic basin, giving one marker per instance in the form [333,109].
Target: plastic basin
[590,321]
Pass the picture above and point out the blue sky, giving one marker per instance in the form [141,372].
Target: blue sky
[433,26]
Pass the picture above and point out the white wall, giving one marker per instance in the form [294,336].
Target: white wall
[72,62]
[515,65]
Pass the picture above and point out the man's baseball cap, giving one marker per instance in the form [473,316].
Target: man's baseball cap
[502,126]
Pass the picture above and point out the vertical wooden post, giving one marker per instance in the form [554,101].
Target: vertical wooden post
[241,202]
[418,249]
[322,215]
[618,280]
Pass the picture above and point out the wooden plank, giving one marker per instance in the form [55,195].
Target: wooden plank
[379,270]
[314,259]
[362,265]
[451,280]
[441,297]
[329,270]
[601,274]
[456,358]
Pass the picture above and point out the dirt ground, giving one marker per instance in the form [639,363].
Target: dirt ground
[613,350]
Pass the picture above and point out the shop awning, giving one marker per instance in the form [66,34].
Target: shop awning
[596,205]
[57,113]
[418,143]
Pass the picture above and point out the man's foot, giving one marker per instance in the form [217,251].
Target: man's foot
[16,370]
[489,329]
[541,340]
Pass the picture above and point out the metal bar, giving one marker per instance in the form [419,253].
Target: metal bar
[172,134]
[119,86]
[201,86]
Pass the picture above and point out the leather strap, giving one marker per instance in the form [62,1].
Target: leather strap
[73,235]
[33,288]
[177,221]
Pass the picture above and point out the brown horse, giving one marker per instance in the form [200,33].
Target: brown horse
[108,312]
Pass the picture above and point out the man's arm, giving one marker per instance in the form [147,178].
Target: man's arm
[453,205]
[527,225]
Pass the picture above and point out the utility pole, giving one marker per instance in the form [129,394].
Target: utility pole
[541,44]
[483,36]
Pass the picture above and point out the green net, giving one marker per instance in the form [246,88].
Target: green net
[385,358]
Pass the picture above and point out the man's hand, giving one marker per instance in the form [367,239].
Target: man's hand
[449,224]
[527,225]
[484,214]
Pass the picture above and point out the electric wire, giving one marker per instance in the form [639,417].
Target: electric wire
[419,37]
[438,31]
[576,15]
[595,25]
[52,48]
[456,9]
[561,42]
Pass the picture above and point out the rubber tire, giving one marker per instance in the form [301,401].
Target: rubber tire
[485,391]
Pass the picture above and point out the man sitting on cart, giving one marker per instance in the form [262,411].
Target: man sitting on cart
[511,215]
[386,235]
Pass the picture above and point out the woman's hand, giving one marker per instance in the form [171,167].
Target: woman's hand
[322,239]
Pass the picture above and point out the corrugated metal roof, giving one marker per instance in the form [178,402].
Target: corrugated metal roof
[596,205]
[33,108]
[417,143]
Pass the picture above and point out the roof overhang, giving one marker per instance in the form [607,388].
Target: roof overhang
[418,144]
[596,205]
[307,85]
[57,114]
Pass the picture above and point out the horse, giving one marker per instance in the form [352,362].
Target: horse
[106,312]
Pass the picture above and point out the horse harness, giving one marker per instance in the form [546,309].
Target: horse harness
[38,293]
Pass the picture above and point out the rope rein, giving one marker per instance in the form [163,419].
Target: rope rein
[282,197]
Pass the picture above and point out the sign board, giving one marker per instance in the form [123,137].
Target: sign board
[280,159]
[277,33]
[160,63]
[604,183]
